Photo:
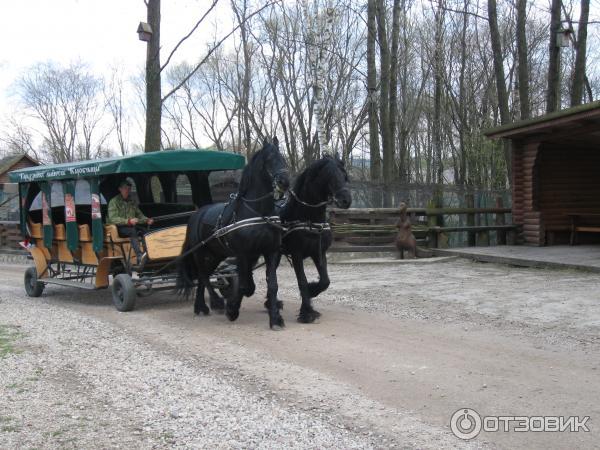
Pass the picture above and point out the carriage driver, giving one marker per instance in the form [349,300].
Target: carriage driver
[125,214]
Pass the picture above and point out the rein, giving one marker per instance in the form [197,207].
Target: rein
[220,232]
[316,205]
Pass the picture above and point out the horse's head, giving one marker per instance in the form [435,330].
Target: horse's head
[338,182]
[328,178]
[268,167]
[276,167]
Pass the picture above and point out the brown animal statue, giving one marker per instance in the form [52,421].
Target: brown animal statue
[405,239]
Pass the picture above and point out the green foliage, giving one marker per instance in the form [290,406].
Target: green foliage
[8,335]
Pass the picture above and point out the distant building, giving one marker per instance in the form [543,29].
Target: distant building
[14,162]
[9,202]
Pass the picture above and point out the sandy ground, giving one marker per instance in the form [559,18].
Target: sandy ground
[398,350]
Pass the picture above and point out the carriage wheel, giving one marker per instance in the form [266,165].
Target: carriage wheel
[123,293]
[33,287]
[233,283]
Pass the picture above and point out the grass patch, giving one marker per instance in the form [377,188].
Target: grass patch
[8,336]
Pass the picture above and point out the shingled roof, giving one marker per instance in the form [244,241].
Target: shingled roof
[8,162]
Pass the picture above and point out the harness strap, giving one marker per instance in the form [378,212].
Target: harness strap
[311,227]
[219,233]
[316,205]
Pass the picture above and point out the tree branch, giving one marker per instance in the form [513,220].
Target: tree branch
[215,47]
[183,39]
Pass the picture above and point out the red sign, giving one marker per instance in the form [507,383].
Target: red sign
[96,213]
[70,208]
[45,216]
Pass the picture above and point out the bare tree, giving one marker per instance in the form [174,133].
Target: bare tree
[65,102]
[580,58]
[114,97]
[153,80]
[553,93]
[523,60]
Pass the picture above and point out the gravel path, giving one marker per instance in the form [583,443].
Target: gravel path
[77,382]
[399,348]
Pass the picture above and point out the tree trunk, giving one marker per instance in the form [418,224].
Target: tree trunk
[580,58]
[438,175]
[153,88]
[384,98]
[499,75]
[522,57]
[375,156]
[553,94]
[244,109]
[389,166]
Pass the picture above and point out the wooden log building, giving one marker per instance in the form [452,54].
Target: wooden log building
[14,162]
[556,175]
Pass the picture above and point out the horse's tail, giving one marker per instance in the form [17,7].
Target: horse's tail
[185,269]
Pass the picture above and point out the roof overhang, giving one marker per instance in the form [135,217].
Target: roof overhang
[584,119]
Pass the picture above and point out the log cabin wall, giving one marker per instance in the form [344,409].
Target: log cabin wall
[556,171]
[569,182]
[526,201]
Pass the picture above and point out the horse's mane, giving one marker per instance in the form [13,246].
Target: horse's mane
[255,164]
[313,169]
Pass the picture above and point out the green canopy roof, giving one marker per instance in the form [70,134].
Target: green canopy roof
[163,161]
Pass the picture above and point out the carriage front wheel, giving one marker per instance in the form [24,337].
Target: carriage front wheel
[123,292]
[33,287]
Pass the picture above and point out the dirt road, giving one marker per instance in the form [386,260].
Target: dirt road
[399,349]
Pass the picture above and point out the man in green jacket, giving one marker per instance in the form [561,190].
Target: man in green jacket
[125,214]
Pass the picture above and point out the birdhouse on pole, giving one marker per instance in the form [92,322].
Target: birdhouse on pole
[144,31]
[563,37]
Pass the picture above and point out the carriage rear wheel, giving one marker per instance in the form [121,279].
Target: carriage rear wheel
[123,293]
[33,287]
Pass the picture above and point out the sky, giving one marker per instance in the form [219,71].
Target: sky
[99,32]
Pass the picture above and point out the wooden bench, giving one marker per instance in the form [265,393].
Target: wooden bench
[578,224]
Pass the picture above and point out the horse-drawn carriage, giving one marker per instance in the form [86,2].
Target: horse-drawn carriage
[63,219]
[199,245]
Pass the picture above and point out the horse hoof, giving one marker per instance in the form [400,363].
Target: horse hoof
[308,317]
[232,315]
[203,310]
[277,323]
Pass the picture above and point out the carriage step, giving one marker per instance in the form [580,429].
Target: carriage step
[71,283]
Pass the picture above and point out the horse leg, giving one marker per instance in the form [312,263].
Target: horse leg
[232,306]
[279,302]
[199,303]
[250,286]
[307,313]
[217,302]
[275,319]
[315,288]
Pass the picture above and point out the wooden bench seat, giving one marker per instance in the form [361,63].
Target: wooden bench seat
[88,256]
[60,239]
[37,235]
[583,222]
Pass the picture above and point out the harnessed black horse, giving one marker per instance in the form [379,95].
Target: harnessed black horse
[307,232]
[246,228]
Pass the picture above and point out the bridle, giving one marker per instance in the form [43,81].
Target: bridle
[329,201]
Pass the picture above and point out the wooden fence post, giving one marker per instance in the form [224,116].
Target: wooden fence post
[471,238]
[501,234]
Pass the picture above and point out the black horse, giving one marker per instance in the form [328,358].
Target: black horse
[308,234]
[255,231]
